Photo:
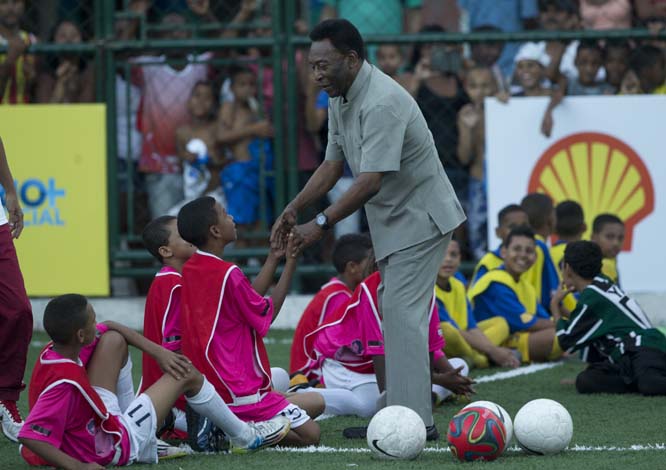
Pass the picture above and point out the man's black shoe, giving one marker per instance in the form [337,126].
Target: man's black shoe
[432,434]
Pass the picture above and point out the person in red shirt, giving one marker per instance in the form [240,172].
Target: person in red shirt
[17,69]
[352,254]
[161,321]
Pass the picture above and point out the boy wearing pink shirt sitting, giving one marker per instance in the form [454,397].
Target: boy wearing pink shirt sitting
[76,420]
[224,319]
[351,344]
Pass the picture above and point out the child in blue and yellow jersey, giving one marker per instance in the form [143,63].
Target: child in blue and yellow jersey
[543,275]
[478,344]
[608,233]
[509,217]
[569,227]
[505,292]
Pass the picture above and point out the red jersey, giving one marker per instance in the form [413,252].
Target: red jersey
[333,295]
[161,324]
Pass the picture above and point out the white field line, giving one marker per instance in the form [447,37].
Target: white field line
[509,374]
[445,450]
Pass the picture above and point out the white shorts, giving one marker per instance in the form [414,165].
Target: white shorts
[140,421]
[296,415]
[338,376]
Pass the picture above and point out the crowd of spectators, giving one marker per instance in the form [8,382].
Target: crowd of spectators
[188,126]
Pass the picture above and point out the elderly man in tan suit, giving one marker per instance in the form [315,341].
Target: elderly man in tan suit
[412,209]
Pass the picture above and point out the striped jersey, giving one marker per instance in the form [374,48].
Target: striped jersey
[17,88]
[606,323]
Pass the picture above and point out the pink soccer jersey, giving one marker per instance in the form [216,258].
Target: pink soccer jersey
[230,319]
[87,351]
[61,417]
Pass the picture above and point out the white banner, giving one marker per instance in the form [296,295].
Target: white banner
[606,152]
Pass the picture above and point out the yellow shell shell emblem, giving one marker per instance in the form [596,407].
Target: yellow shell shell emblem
[601,173]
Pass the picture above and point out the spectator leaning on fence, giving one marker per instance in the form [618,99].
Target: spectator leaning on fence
[66,78]
[17,69]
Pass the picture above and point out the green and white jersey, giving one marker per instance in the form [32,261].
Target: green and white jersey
[606,323]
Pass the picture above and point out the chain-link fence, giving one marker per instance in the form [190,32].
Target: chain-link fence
[216,97]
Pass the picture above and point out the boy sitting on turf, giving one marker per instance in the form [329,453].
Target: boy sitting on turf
[161,321]
[351,345]
[542,275]
[626,353]
[476,343]
[224,319]
[509,217]
[505,292]
[351,256]
[76,420]
[608,233]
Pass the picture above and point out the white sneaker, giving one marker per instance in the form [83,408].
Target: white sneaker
[166,451]
[267,433]
[11,419]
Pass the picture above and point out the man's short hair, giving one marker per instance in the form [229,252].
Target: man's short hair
[521,231]
[195,219]
[343,35]
[64,316]
[539,209]
[569,219]
[156,234]
[506,210]
[602,220]
[351,247]
[584,257]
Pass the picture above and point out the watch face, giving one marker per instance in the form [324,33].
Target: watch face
[321,219]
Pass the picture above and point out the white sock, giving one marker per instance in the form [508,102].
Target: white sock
[209,404]
[280,379]
[180,422]
[125,386]
[441,392]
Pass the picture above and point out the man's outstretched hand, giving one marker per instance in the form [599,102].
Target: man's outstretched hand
[282,227]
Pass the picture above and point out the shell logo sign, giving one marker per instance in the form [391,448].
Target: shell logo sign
[600,172]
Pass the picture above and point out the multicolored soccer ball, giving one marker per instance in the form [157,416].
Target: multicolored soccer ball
[543,427]
[499,411]
[396,432]
[476,433]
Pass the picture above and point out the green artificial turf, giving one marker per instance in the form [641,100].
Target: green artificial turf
[599,421]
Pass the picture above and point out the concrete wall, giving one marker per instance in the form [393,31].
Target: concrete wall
[129,311]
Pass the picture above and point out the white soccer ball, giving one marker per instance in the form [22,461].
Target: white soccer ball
[543,427]
[396,432]
[501,414]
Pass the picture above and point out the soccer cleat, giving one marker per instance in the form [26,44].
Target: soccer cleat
[432,434]
[11,419]
[355,432]
[267,433]
[166,451]
[203,435]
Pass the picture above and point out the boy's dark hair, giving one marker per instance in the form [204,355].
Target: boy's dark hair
[506,210]
[195,218]
[617,44]
[569,219]
[539,208]
[644,57]
[602,220]
[236,70]
[584,258]
[343,35]
[156,234]
[590,45]
[351,247]
[522,231]
[64,315]
[561,5]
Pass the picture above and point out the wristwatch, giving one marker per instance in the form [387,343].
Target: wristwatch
[322,221]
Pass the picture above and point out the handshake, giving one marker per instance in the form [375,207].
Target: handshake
[289,239]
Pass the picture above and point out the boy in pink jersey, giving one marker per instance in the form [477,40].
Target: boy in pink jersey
[352,254]
[225,318]
[352,345]
[75,419]
[161,321]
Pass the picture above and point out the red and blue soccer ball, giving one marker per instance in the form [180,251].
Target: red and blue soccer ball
[476,433]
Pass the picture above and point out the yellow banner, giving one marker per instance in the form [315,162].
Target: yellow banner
[57,155]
